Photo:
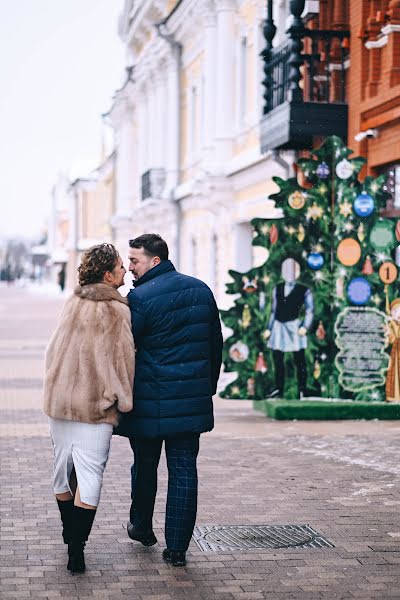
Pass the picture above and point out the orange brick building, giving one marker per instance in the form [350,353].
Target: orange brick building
[343,78]
[374,86]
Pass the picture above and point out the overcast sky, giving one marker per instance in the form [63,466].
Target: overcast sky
[60,63]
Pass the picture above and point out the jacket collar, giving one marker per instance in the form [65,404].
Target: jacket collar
[163,267]
[99,292]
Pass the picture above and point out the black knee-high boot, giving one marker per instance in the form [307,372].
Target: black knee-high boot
[82,525]
[66,509]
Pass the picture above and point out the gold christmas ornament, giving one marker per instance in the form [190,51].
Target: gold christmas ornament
[297,200]
[317,370]
[301,234]
[246,317]
[361,232]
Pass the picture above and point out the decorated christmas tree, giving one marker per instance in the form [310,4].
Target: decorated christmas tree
[318,318]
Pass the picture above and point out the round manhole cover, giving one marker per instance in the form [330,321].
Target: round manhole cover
[241,537]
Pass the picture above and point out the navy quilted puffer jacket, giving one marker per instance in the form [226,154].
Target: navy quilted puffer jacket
[177,331]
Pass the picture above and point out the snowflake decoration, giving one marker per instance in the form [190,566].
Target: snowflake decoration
[318,248]
[381,256]
[318,277]
[376,300]
[314,212]
[323,356]
[322,189]
[266,279]
[375,395]
[348,226]
[346,209]
[235,390]
[265,229]
[291,230]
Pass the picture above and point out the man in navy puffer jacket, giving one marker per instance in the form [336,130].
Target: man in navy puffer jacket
[177,332]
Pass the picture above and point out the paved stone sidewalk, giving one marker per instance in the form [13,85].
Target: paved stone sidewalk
[340,478]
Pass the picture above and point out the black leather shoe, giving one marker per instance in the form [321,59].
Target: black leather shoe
[174,557]
[274,394]
[147,538]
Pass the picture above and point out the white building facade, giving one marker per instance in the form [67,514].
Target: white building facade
[186,124]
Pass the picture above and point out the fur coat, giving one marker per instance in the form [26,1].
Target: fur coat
[90,359]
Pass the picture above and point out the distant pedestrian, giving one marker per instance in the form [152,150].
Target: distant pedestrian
[61,278]
[177,332]
[88,380]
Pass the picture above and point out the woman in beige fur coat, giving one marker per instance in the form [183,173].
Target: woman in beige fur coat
[88,381]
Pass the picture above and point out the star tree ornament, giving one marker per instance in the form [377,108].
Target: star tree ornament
[314,212]
[346,209]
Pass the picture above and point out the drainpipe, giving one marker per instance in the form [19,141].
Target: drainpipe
[176,49]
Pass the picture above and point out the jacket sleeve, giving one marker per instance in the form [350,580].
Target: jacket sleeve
[137,317]
[125,365]
[216,346]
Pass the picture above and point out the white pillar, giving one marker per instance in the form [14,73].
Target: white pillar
[159,119]
[225,99]
[151,124]
[173,123]
[125,165]
[210,79]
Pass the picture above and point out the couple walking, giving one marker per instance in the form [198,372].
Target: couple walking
[144,367]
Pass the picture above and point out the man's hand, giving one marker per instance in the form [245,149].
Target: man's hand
[266,334]
[302,331]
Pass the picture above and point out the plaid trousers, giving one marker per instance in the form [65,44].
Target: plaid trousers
[181,452]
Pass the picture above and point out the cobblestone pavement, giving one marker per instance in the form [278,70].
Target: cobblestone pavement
[341,478]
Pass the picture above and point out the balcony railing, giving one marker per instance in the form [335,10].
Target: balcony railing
[153,182]
[305,83]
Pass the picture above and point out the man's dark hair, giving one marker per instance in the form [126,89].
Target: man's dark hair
[152,244]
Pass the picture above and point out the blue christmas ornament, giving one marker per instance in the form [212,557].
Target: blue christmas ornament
[359,291]
[315,261]
[364,205]
[323,171]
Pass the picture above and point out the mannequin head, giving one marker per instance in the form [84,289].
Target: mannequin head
[290,270]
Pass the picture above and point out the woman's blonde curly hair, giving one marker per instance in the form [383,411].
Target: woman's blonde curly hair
[96,261]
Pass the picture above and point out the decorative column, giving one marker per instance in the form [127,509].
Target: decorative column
[210,79]
[295,32]
[269,31]
[125,140]
[225,99]
[173,121]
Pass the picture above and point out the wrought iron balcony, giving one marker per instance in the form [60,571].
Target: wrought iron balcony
[305,85]
[153,182]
